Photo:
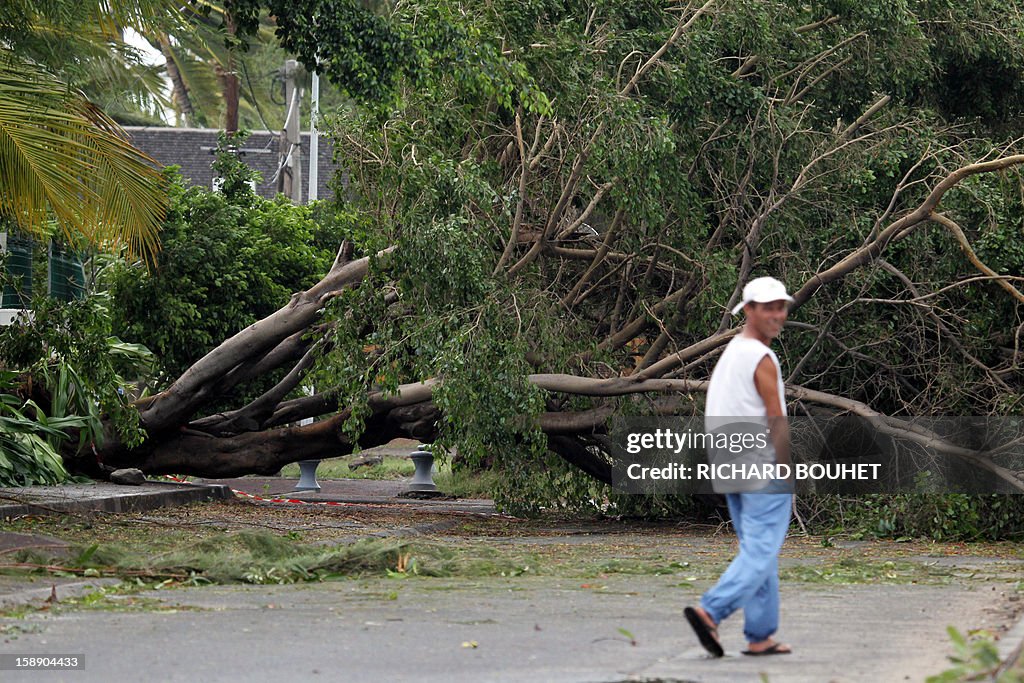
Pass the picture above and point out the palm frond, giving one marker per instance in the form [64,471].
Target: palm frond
[202,84]
[141,15]
[118,85]
[60,154]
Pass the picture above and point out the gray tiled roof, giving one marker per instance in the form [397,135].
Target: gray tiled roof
[192,149]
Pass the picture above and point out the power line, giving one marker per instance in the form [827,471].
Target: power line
[256,104]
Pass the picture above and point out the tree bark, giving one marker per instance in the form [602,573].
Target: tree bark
[229,79]
[179,91]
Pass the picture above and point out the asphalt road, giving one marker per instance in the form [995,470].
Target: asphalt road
[508,629]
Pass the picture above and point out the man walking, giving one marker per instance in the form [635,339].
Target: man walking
[746,388]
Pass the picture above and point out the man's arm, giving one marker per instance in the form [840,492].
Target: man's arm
[766,380]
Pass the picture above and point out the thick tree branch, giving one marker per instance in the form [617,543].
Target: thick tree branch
[322,403]
[290,350]
[563,200]
[863,118]
[176,405]
[904,430]
[575,453]
[598,196]
[262,452]
[873,250]
[250,417]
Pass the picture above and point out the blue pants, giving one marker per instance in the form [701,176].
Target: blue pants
[752,579]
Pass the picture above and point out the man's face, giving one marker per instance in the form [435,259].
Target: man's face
[767,318]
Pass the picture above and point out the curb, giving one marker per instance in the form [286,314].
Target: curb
[75,499]
[440,507]
[458,504]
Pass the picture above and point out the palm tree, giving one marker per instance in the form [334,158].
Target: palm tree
[208,65]
[61,156]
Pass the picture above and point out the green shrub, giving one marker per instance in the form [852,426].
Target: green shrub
[27,441]
[942,517]
[227,259]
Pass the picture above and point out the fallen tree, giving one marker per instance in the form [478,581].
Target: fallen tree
[560,227]
[253,439]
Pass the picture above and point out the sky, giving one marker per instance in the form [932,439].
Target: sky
[152,57]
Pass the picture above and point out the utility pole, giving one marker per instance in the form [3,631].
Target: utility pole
[314,141]
[289,180]
[231,84]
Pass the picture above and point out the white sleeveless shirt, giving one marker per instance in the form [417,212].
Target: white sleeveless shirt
[732,392]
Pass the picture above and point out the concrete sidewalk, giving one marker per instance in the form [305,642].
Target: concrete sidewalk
[351,491]
[99,497]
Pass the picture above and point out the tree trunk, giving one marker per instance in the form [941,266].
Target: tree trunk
[179,91]
[229,79]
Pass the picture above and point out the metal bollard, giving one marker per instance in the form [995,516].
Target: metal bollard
[307,468]
[423,478]
[307,476]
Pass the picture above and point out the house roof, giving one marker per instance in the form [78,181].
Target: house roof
[192,150]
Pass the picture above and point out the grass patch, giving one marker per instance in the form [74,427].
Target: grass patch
[654,566]
[391,467]
[851,570]
[459,483]
[12,631]
[260,557]
[161,552]
[465,484]
[240,542]
[114,601]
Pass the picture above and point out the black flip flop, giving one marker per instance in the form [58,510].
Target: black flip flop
[773,650]
[707,635]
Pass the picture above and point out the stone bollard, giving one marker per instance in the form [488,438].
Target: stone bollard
[423,479]
[307,476]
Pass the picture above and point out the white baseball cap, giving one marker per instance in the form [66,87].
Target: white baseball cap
[762,290]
